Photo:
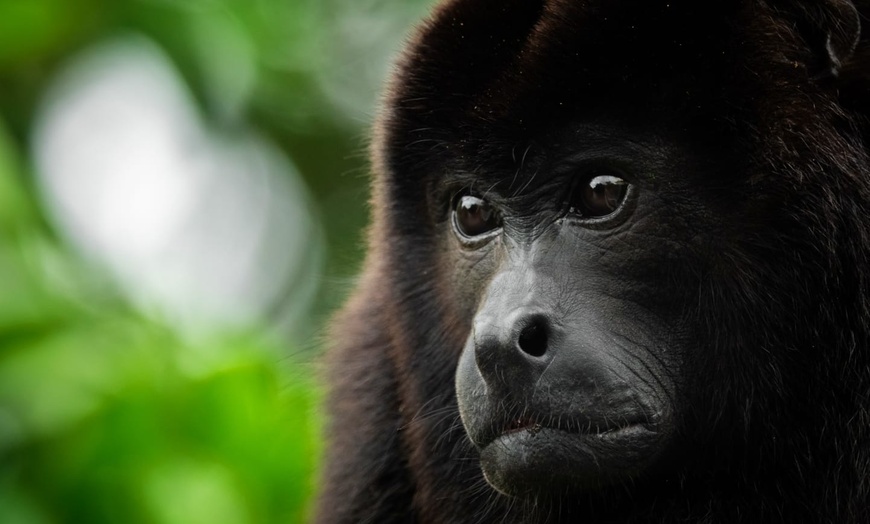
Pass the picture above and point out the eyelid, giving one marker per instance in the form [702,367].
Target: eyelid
[607,179]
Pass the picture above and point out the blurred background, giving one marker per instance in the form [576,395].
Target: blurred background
[183,187]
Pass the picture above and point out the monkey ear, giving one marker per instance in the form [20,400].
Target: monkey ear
[833,31]
[843,34]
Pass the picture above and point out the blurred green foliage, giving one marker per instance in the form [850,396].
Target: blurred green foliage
[107,415]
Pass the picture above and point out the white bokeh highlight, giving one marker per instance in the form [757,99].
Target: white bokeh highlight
[205,228]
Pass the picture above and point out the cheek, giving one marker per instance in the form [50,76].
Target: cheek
[464,274]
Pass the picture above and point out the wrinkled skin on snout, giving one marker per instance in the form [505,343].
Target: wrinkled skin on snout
[561,394]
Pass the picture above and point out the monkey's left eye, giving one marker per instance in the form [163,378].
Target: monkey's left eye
[598,196]
[474,216]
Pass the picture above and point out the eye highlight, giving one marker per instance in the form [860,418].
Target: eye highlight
[598,196]
[474,217]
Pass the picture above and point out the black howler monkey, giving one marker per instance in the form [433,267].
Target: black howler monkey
[618,270]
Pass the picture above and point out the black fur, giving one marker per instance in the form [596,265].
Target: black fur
[768,274]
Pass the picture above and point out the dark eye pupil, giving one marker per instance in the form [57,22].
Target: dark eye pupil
[474,216]
[600,196]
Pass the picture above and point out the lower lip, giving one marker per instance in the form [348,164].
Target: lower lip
[525,460]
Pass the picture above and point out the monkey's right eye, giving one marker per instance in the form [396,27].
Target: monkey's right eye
[474,217]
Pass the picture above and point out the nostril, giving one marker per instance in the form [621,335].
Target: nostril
[533,338]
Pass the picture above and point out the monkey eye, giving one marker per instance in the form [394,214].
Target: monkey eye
[598,196]
[474,216]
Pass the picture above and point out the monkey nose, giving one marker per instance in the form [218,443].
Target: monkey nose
[514,348]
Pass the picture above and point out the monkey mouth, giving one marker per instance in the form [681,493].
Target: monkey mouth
[528,454]
[580,425]
[522,424]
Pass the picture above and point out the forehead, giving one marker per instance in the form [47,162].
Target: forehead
[488,77]
[528,61]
